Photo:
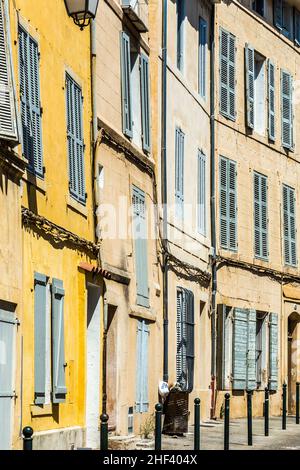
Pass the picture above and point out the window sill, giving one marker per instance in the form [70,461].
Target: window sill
[41,410]
[137,311]
[35,181]
[76,206]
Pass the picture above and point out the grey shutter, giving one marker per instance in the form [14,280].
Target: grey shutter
[202,56]
[271,100]
[145,102]
[277,5]
[145,369]
[227,74]
[58,339]
[138,399]
[273,351]
[181,349]
[141,247]
[40,337]
[249,62]
[260,216]
[228,204]
[251,365]
[223,340]
[126,84]
[201,193]
[287,109]
[190,347]
[8,123]
[297,26]
[179,172]
[240,349]
[289,226]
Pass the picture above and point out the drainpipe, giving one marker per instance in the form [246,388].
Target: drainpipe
[164,190]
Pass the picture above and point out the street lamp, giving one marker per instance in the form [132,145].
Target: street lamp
[82,11]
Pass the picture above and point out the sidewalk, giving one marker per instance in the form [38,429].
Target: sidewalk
[212,435]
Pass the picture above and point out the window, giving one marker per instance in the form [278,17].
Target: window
[297,26]
[227,75]
[140,236]
[283,18]
[179,173]
[180,4]
[49,357]
[259,6]
[260,350]
[202,56]
[271,101]
[31,102]
[260,216]
[287,110]
[255,90]
[201,193]
[289,226]
[142,372]
[185,340]
[228,204]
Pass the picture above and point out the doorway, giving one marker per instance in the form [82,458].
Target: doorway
[111,367]
[293,352]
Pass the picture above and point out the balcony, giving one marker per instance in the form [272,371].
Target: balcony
[137,12]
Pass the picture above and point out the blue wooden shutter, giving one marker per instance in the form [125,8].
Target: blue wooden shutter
[142,369]
[287,110]
[240,349]
[249,62]
[273,351]
[179,172]
[271,101]
[251,353]
[201,193]
[190,334]
[227,74]
[228,204]
[181,341]
[40,337]
[260,216]
[180,33]
[145,102]
[289,226]
[126,84]
[202,56]
[297,26]
[141,246]
[58,343]
[277,5]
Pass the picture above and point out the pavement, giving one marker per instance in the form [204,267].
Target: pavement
[212,436]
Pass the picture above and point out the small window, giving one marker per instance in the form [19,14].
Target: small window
[259,6]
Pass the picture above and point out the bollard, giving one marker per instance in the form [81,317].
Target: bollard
[284,406]
[158,415]
[197,424]
[27,438]
[226,421]
[266,411]
[104,432]
[297,402]
[249,416]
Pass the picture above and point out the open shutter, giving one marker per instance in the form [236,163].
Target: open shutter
[286,110]
[201,193]
[297,26]
[260,216]
[251,365]
[202,57]
[240,349]
[145,102]
[139,371]
[126,84]
[181,350]
[277,4]
[271,100]
[180,32]
[8,122]
[227,74]
[289,226]
[179,172]
[190,352]
[249,62]
[58,340]
[273,351]
[145,371]
[224,348]
[40,337]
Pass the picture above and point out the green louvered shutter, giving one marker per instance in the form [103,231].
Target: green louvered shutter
[287,110]
[190,348]
[141,246]
[289,226]
[126,84]
[240,349]
[277,6]
[271,101]
[249,62]
[251,354]
[181,342]
[202,57]
[59,389]
[227,74]
[201,193]
[273,351]
[297,26]
[142,371]
[228,204]
[30,102]
[179,172]
[145,102]
[260,216]
[40,337]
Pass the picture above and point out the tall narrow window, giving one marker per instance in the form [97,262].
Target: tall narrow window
[185,340]
[202,56]
[142,370]
[126,84]
[255,90]
[297,27]
[259,6]
[271,101]
[145,102]
[75,140]
[260,349]
[180,33]
[179,173]
[289,226]
[31,115]
[260,216]
[228,204]
[227,74]
[287,109]
[201,193]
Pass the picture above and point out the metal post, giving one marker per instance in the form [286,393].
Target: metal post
[297,402]
[104,432]
[249,417]
[197,424]
[284,406]
[158,415]
[27,438]
[226,421]
[266,411]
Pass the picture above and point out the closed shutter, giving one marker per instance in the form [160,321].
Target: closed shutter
[277,5]
[8,123]
[260,216]
[141,246]
[289,226]
[287,109]
[58,343]
[202,56]
[223,348]
[145,102]
[273,351]
[228,204]
[240,349]
[271,100]
[297,26]
[126,84]
[40,338]
[249,61]
[190,350]
[227,74]
[181,349]
[251,354]
[30,102]
[142,372]
[201,193]
[179,172]
[75,140]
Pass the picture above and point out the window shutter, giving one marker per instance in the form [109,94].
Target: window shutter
[287,110]
[273,351]
[180,33]
[289,226]
[141,248]
[202,56]
[179,172]
[232,205]
[260,216]
[126,84]
[240,348]
[190,351]
[181,350]
[223,203]
[8,120]
[297,26]
[228,204]
[249,61]
[201,193]
[271,100]
[40,312]
[278,14]
[145,355]
[251,364]
[139,371]
[145,102]
[227,74]
[58,340]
